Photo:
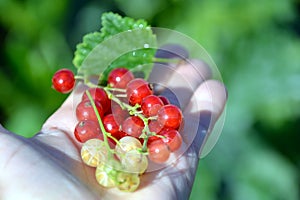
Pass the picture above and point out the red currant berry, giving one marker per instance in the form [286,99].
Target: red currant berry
[100,95]
[170,116]
[110,124]
[151,139]
[63,81]
[136,90]
[119,114]
[172,139]
[86,130]
[120,134]
[85,111]
[158,151]
[154,126]
[133,126]
[119,77]
[150,105]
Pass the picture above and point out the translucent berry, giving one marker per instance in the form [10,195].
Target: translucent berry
[85,111]
[110,124]
[86,130]
[133,126]
[158,151]
[94,152]
[63,81]
[127,144]
[98,94]
[170,116]
[128,182]
[172,139]
[150,105]
[154,126]
[136,90]
[119,77]
[105,175]
[134,162]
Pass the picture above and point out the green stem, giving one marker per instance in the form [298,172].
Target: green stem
[78,77]
[116,89]
[105,134]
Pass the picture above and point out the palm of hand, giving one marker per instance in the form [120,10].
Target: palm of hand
[49,166]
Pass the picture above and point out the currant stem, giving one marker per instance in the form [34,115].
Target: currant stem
[116,89]
[133,110]
[79,77]
[105,134]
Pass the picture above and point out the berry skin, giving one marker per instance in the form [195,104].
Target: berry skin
[127,144]
[86,130]
[150,105]
[104,175]
[172,139]
[154,126]
[133,126]
[85,111]
[136,90]
[134,162]
[93,152]
[63,81]
[98,94]
[119,114]
[110,124]
[128,182]
[158,151]
[169,116]
[119,77]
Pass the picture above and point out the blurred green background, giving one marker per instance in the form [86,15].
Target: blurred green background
[255,44]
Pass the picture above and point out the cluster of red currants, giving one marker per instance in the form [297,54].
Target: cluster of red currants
[121,125]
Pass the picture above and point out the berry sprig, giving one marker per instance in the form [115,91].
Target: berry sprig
[122,126]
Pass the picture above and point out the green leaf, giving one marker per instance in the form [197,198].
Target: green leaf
[90,41]
[122,42]
[113,24]
[126,49]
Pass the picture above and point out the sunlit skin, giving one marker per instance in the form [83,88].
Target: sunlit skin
[49,165]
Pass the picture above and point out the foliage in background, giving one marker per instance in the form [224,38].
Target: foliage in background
[32,48]
[256,46]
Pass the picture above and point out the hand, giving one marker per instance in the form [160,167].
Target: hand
[48,166]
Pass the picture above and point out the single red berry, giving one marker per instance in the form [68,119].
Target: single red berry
[85,111]
[100,95]
[151,139]
[119,114]
[150,105]
[86,130]
[158,151]
[63,81]
[170,116]
[172,139]
[110,124]
[136,90]
[154,126]
[119,77]
[133,126]
[119,135]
